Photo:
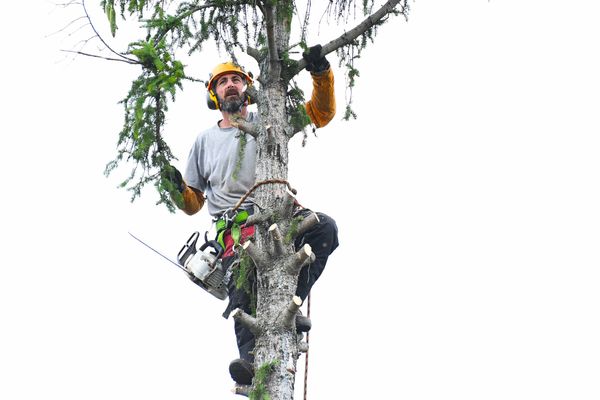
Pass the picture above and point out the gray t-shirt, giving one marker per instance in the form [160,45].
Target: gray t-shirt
[213,167]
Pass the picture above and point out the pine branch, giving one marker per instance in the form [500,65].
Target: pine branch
[130,60]
[102,57]
[348,37]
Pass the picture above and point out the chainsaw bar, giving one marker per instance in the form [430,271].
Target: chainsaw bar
[157,252]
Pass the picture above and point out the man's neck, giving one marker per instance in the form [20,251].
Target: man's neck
[226,121]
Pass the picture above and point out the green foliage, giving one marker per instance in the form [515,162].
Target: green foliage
[109,10]
[234,26]
[244,280]
[240,157]
[295,109]
[140,140]
[259,391]
[133,6]
[285,12]
[349,113]
[291,233]
[348,55]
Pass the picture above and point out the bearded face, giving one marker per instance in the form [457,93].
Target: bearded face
[230,92]
[232,102]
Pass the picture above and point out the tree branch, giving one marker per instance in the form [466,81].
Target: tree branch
[260,217]
[288,204]
[278,245]
[130,60]
[301,257]
[348,37]
[254,53]
[248,127]
[242,390]
[247,320]
[289,313]
[254,253]
[270,23]
[102,57]
[188,13]
[303,347]
[306,224]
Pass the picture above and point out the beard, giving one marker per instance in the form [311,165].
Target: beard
[232,103]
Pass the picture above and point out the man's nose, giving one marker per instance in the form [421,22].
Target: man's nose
[229,84]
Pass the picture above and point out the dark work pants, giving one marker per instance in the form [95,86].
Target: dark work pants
[323,240]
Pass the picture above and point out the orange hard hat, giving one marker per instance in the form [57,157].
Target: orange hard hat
[227,68]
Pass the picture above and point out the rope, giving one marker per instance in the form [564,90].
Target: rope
[249,192]
[307,350]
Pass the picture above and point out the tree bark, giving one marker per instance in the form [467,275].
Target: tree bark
[276,338]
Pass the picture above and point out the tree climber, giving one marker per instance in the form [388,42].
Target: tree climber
[215,174]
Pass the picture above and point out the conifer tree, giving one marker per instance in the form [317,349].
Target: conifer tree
[271,32]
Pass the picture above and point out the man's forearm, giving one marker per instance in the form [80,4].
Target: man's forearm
[321,107]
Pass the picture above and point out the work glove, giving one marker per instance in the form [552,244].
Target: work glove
[173,175]
[314,62]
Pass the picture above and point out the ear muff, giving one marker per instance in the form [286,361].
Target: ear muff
[211,100]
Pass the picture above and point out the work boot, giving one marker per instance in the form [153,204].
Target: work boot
[303,323]
[241,371]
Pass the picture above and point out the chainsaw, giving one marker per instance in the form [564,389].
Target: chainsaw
[202,265]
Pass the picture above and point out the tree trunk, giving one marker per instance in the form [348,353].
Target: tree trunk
[276,349]
[276,286]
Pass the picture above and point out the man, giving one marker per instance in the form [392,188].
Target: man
[219,174]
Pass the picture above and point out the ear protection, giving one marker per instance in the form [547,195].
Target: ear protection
[211,99]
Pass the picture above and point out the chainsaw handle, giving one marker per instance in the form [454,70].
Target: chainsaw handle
[188,249]
[215,245]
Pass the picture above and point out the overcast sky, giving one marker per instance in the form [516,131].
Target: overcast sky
[466,195]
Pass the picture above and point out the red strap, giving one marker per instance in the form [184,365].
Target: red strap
[247,231]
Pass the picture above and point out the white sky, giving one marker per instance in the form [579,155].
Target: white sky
[466,195]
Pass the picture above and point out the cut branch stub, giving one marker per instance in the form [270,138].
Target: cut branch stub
[254,254]
[247,127]
[260,217]
[288,203]
[247,320]
[278,245]
[301,257]
[289,313]
[242,390]
[306,224]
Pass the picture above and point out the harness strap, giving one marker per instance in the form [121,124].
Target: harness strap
[233,224]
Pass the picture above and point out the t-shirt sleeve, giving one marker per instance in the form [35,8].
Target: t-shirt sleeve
[193,175]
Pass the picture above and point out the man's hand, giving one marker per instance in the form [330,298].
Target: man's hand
[173,175]
[314,62]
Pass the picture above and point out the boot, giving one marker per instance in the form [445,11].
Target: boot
[303,323]
[241,371]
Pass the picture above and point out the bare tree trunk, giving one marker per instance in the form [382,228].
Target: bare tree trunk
[276,349]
